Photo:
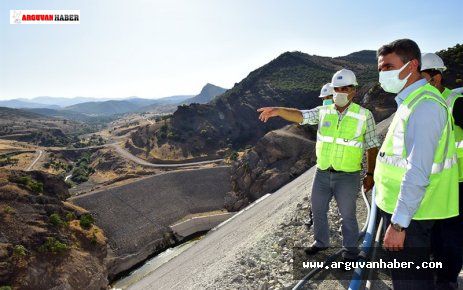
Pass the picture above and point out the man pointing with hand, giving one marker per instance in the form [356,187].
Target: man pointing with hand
[345,131]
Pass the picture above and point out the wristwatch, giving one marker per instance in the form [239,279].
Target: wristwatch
[397,227]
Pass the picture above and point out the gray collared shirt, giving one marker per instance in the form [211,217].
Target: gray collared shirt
[424,129]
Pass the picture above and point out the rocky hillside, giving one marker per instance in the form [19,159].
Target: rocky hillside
[279,157]
[230,121]
[253,175]
[293,79]
[22,125]
[374,98]
[46,243]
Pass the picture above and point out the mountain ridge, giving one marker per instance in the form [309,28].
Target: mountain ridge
[229,121]
[207,94]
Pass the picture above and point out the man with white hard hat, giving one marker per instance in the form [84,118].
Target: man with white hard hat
[326,94]
[345,131]
[447,234]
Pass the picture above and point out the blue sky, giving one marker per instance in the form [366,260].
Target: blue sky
[159,48]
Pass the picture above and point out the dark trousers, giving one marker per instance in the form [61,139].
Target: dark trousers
[447,245]
[417,248]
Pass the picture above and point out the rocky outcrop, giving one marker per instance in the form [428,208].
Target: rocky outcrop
[279,157]
[208,92]
[380,103]
[43,244]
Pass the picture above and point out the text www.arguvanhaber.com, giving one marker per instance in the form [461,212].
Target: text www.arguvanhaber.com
[371,265]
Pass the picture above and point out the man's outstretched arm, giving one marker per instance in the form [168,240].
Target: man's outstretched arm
[289,114]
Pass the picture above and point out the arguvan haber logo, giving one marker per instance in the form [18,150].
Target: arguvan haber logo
[44,16]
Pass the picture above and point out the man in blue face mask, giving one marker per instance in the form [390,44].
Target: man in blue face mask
[326,94]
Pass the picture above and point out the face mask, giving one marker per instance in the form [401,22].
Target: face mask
[327,102]
[340,99]
[390,81]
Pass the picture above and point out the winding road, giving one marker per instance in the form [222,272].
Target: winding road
[127,155]
[40,152]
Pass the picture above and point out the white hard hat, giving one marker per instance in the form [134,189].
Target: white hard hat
[343,78]
[458,90]
[327,90]
[432,61]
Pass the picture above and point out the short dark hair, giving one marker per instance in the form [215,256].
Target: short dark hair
[434,72]
[405,48]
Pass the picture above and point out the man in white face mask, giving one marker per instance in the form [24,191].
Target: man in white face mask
[345,132]
[416,175]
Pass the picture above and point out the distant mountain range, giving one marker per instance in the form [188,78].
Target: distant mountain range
[20,104]
[46,102]
[79,108]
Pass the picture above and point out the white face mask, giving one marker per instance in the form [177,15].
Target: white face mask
[340,99]
[390,81]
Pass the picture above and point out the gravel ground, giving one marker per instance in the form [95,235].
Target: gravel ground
[253,250]
[268,264]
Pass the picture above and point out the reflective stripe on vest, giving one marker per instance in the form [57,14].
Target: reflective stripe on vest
[450,98]
[404,114]
[403,163]
[345,142]
[441,196]
[398,142]
[340,142]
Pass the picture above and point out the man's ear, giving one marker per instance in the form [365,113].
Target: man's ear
[352,92]
[437,79]
[414,65]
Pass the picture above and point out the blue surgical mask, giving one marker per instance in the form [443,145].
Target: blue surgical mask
[327,102]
